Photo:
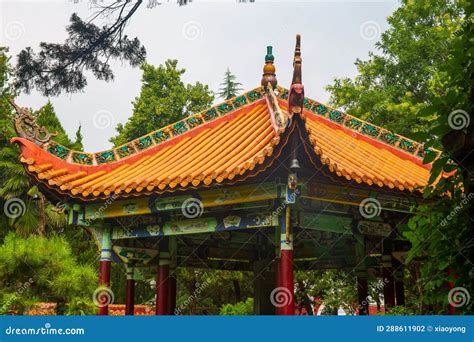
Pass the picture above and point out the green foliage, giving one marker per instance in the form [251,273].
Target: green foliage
[78,140]
[238,309]
[35,268]
[229,88]
[46,116]
[46,270]
[402,311]
[441,231]
[197,290]
[39,215]
[392,88]
[164,99]
[332,289]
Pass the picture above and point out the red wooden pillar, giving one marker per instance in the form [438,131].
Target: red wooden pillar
[286,306]
[172,294]
[286,269]
[162,288]
[278,281]
[363,293]
[104,298]
[130,292]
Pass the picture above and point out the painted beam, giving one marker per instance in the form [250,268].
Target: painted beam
[325,222]
[135,255]
[197,226]
[200,200]
[374,228]
[334,198]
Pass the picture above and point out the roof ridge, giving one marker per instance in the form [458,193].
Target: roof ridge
[361,126]
[156,137]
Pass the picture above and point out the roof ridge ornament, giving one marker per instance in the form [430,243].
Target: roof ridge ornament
[27,127]
[269,70]
[279,120]
[296,92]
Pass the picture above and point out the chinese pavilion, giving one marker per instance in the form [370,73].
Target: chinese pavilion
[269,182]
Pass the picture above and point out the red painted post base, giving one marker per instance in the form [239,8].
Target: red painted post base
[286,282]
[104,280]
[162,290]
[130,297]
[278,281]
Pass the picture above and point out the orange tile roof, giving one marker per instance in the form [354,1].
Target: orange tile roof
[222,149]
[355,157]
[229,148]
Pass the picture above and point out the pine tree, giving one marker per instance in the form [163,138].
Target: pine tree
[229,88]
[78,146]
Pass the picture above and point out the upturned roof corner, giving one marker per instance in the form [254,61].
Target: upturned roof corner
[27,127]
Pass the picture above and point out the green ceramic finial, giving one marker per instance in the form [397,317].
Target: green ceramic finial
[269,56]
[269,70]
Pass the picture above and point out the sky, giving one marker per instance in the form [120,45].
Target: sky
[206,37]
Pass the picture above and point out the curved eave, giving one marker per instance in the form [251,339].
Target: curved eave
[226,150]
[359,158]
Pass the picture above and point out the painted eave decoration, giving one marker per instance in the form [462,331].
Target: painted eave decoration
[230,142]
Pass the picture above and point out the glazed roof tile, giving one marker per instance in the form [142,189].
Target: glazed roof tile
[227,143]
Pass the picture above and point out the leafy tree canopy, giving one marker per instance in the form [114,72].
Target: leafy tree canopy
[164,99]
[393,86]
[441,231]
[37,214]
[46,116]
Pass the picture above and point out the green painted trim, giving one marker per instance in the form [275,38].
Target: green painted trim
[362,127]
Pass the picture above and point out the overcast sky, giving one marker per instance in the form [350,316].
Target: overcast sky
[206,37]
